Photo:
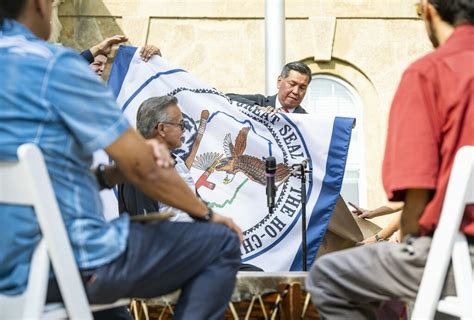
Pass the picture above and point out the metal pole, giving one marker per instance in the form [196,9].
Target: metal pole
[274,42]
[303,218]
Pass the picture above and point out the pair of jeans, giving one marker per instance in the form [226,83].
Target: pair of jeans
[201,259]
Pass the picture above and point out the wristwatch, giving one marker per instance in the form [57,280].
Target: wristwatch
[205,218]
[102,178]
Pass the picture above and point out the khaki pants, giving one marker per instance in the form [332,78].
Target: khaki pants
[351,284]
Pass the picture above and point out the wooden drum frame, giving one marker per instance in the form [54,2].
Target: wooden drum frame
[257,295]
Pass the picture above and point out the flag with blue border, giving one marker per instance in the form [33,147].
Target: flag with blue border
[234,140]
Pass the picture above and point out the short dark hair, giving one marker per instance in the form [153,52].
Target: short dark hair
[455,12]
[298,67]
[153,111]
[11,9]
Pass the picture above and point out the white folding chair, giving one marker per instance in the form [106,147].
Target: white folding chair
[450,245]
[26,182]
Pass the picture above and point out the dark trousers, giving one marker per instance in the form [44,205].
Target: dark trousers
[201,259]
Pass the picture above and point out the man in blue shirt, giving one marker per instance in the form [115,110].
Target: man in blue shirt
[50,97]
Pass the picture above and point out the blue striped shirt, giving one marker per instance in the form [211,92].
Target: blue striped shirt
[50,97]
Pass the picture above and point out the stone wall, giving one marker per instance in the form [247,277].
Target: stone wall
[368,43]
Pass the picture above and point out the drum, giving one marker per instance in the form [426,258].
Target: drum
[257,295]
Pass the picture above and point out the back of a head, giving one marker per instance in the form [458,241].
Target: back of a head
[153,111]
[297,66]
[455,12]
[11,9]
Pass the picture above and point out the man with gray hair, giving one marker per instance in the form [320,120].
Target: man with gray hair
[292,84]
[160,118]
[157,118]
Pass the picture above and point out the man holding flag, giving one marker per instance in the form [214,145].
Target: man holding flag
[292,84]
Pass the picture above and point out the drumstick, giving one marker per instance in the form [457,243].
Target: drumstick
[202,128]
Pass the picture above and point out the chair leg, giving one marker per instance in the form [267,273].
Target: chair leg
[463,276]
[37,283]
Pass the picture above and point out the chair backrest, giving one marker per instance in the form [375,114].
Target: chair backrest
[26,182]
[459,193]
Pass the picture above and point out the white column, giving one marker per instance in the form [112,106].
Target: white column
[274,42]
[56,26]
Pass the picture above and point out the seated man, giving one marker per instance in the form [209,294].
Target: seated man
[50,97]
[430,120]
[157,118]
[160,118]
[292,84]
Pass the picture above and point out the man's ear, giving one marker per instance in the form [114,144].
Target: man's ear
[42,7]
[430,11]
[279,81]
[160,129]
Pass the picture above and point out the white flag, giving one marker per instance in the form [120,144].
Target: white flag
[229,163]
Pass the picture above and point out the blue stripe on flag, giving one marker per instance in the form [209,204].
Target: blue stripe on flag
[120,68]
[147,82]
[330,189]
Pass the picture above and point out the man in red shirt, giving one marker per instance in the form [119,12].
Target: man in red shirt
[432,116]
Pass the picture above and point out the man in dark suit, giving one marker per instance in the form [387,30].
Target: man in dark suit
[292,84]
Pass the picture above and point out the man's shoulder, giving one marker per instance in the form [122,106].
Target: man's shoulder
[53,53]
[423,64]
[180,164]
[25,45]
[300,109]
[68,57]
[437,58]
[253,97]
[29,49]
[258,99]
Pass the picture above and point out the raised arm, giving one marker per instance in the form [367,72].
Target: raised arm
[388,208]
[105,46]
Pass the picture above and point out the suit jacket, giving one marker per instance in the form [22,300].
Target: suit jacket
[87,55]
[259,99]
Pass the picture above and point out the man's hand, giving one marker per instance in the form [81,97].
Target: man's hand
[269,109]
[395,238]
[148,51]
[361,212]
[105,46]
[137,160]
[161,153]
[217,218]
[368,240]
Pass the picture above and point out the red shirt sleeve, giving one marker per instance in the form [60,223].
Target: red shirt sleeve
[412,149]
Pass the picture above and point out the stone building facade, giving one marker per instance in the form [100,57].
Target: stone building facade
[357,50]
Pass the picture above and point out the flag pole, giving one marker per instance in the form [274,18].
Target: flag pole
[274,42]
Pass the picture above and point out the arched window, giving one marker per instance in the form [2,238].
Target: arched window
[331,96]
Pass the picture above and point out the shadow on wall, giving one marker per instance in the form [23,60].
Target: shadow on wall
[80,30]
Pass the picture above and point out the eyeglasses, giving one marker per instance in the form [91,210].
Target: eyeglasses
[180,124]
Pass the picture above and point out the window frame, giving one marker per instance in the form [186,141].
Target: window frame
[357,103]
